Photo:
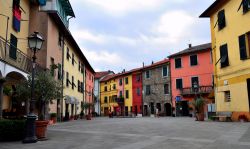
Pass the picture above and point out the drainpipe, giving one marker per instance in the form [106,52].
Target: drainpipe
[62,77]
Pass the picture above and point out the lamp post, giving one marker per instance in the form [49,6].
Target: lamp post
[35,42]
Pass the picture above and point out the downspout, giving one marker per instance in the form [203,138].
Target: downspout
[63,44]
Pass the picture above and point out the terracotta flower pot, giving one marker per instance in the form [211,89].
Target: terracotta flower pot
[54,119]
[41,129]
[200,116]
[88,117]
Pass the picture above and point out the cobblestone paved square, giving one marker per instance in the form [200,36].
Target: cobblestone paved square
[142,133]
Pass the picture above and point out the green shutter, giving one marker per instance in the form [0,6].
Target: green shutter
[221,19]
[13,47]
[242,47]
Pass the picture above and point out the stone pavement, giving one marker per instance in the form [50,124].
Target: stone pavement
[142,133]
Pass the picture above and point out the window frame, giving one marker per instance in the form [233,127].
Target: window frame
[176,84]
[190,60]
[178,67]
[163,71]
[147,76]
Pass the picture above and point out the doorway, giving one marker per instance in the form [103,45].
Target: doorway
[145,110]
[152,108]
[136,111]
[185,111]
[167,109]
[126,111]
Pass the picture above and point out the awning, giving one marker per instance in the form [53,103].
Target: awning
[71,100]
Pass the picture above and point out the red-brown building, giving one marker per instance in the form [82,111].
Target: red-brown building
[137,91]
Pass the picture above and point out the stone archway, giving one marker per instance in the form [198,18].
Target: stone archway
[12,106]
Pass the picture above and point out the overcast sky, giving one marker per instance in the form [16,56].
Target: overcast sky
[122,34]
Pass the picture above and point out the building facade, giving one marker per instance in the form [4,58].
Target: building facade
[190,67]
[156,88]
[137,91]
[97,87]
[230,44]
[89,87]
[15,61]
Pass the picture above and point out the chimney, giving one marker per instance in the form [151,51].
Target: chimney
[152,62]
[190,45]
[143,64]
[123,71]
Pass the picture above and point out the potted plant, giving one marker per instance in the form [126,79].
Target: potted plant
[199,107]
[88,106]
[46,90]
[243,118]
[53,117]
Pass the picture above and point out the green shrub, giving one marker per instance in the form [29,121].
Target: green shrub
[11,130]
[52,114]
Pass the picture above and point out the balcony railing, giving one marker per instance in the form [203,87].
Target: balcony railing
[199,90]
[119,100]
[16,58]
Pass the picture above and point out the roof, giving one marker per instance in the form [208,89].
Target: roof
[156,64]
[212,8]
[114,76]
[67,7]
[193,49]
[109,77]
[101,74]
[70,37]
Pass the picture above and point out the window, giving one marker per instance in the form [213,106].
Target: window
[79,86]
[59,72]
[73,84]
[52,66]
[67,79]
[114,86]
[127,94]
[138,91]
[73,59]
[105,88]
[82,87]
[148,92]
[193,60]
[166,88]
[194,80]
[105,99]
[67,54]
[138,78]
[120,82]
[244,49]
[164,71]
[126,80]
[178,63]
[227,96]
[147,74]
[224,56]
[246,6]
[13,47]
[179,84]
[79,66]
[120,94]
[221,19]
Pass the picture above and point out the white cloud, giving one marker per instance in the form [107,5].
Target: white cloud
[123,7]
[173,26]
[85,35]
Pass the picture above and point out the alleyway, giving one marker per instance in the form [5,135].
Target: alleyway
[142,133]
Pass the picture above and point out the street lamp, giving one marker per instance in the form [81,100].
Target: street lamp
[35,42]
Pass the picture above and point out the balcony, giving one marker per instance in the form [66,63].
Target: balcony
[120,100]
[18,59]
[200,90]
[61,7]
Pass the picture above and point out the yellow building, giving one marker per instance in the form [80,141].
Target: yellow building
[108,94]
[73,91]
[14,59]
[231,52]
[128,96]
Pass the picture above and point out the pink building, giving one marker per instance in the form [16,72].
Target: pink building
[191,76]
[89,85]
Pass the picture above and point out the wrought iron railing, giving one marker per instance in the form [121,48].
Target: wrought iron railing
[199,90]
[19,59]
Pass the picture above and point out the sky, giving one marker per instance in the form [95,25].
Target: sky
[122,34]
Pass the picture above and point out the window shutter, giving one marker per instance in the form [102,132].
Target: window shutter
[246,4]
[221,19]
[242,47]
[13,47]
[224,56]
